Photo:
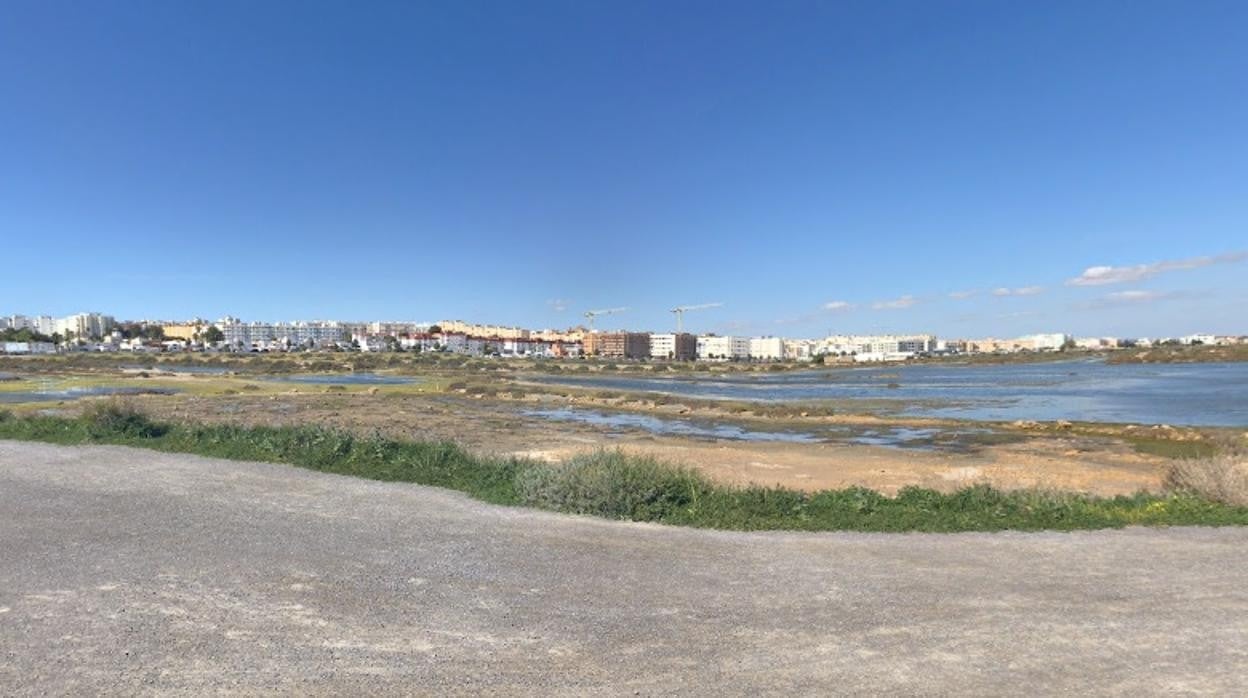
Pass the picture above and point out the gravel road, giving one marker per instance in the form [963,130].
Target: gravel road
[125,571]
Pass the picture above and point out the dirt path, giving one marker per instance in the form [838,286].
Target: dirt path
[127,571]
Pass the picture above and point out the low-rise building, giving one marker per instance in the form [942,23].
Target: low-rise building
[28,347]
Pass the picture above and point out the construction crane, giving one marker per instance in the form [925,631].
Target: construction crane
[591,314]
[680,313]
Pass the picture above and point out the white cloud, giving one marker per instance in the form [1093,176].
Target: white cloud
[963,295]
[838,306]
[1118,299]
[1135,296]
[895,304]
[1024,291]
[1102,275]
[557,304]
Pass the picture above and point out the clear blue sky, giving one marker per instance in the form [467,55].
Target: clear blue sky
[822,166]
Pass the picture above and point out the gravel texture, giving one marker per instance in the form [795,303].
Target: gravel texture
[125,571]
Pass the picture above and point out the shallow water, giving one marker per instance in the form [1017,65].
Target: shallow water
[679,427]
[1082,390]
[75,393]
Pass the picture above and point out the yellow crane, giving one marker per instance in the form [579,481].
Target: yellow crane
[679,311]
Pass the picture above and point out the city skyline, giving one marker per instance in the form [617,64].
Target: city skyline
[965,170]
[52,325]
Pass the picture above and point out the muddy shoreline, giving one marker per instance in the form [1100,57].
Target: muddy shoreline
[841,447]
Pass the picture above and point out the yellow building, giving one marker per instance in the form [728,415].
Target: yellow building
[186,331]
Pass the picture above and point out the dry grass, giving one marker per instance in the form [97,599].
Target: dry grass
[1221,478]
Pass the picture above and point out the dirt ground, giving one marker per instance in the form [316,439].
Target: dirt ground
[1049,460]
[134,572]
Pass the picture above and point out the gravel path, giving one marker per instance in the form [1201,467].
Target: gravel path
[125,571]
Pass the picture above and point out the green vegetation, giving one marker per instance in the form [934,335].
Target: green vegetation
[1169,448]
[11,334]
[619,486]
[1181,354]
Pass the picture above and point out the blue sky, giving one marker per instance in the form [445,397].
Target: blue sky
[952,167]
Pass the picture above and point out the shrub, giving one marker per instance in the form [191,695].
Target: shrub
[1221,478]
[5,415]
[614,485]
[119,418]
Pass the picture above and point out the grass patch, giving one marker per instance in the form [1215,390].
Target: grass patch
[618,486]
[1170,448]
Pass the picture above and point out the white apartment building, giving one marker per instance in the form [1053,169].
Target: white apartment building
[239,334]
[716,348]
[799,349]
[766,348]
[394,329]
[876,347]
[1047,342]
[84,325]
[1096,343]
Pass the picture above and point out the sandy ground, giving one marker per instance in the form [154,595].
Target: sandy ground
[133,572]
[1101,466]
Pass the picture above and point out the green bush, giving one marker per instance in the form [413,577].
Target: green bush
[614,485]
[116,418]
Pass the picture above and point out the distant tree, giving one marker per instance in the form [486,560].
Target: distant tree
[155,333]
[213,335]
[435,329]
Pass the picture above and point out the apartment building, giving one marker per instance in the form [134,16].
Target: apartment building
[877,347]
[573,335]
[84,325]
[185,331]
[1047,342]
[799,349]
[618,345]
[395,329]
[717,348]
[681,346]
[281,334]
[766,349]
[1095,343]
[476,330]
